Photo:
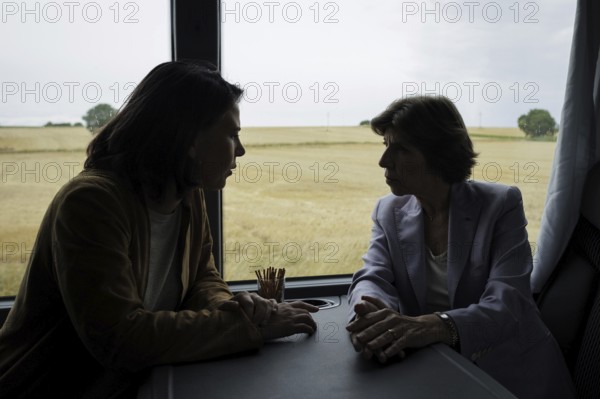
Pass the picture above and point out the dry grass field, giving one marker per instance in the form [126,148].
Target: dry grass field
[301,198]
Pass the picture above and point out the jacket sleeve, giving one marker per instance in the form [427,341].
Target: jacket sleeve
[92,257]
[505,314]
[375,278]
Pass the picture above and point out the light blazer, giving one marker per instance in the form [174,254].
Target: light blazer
[489,267]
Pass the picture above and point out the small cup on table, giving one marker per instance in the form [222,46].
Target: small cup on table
[270,283]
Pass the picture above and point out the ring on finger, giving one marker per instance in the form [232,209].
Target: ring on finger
[393,334]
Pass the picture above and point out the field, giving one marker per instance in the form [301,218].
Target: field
[301,198]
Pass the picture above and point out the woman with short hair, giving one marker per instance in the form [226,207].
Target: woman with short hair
[449,259]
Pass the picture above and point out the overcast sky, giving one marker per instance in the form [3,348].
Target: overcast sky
[301,63]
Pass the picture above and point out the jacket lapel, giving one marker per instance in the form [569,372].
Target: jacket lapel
[463,219]
[410,233]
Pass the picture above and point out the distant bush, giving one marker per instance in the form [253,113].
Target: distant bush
[366,122]
[98,116]
[65,124]
[537,123]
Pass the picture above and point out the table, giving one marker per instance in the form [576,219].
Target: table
[324,365]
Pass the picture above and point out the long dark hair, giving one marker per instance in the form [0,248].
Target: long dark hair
[147,141]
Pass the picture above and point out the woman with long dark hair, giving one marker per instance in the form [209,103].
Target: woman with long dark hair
[122,277]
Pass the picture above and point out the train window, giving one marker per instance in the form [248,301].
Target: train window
[314,73]
[61,61]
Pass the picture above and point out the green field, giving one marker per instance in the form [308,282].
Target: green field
[301,198]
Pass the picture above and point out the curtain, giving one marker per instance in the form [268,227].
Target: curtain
[577,148]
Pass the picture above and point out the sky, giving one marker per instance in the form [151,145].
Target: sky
[301,63]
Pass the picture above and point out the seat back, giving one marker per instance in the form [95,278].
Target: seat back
[570,301]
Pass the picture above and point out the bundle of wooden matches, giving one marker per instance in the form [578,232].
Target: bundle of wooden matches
[271,283]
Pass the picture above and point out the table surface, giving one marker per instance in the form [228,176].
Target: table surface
[324,365]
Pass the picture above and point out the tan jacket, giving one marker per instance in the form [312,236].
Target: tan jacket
[79,321]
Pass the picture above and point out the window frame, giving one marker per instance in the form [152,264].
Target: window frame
[196,35]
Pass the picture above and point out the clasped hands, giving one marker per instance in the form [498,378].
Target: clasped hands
[274,320]
[384,333]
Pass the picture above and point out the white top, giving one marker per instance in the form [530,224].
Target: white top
[437,299]
[164,279]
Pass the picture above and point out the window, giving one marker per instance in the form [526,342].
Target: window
[302,196]
[61,60]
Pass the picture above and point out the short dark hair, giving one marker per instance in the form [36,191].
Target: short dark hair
[148,139]
[432,125]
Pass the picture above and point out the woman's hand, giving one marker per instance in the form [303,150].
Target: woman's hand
[256,308]
[289,318]
[386,333]
[275,320]
[367,305]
